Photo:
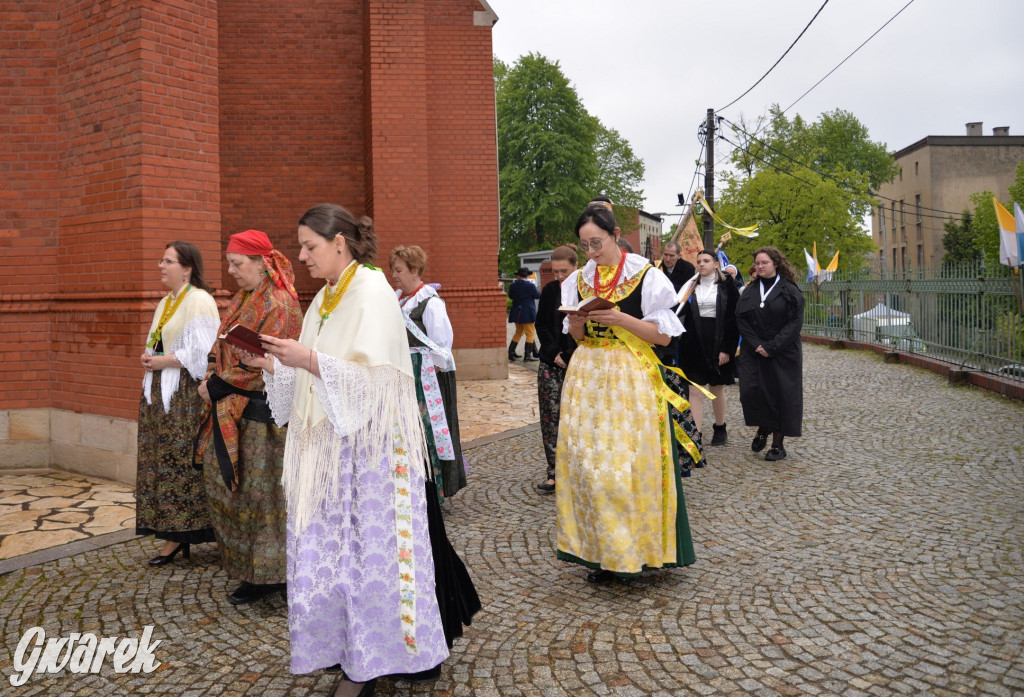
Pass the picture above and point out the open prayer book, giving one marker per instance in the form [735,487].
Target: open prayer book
[589,305]
[245,339]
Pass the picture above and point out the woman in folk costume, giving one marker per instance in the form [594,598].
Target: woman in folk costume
[770,314]
[240,446]
[169,498]
[619,496]
[430,340]
[360,569]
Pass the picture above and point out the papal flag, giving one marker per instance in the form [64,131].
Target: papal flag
[812,266]
[1009,247]
[826,273]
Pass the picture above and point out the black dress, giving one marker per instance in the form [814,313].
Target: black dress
[706,337]
[771,389]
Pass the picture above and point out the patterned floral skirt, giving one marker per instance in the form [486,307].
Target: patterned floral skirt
[251,523]
[169,498]
[619,496]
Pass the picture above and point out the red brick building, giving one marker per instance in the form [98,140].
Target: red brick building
[125,124]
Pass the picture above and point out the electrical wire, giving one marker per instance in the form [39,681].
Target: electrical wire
[849,194]
[848,57]
[820,173]
[778,61]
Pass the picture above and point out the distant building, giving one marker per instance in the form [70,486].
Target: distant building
[645,235]
[939,173]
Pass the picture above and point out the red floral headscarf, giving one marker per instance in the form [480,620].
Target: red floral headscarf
[254,242]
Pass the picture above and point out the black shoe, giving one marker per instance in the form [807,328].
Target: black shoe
[531,353]
[420,677]
[775,454]
[366,691]
[512,355]
[336,668]
[545,487]
[720,436]
[164,559]
[600,575]
[251,592]
[760,440]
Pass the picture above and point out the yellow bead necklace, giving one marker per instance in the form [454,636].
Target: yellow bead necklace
[169,309]
[332,295]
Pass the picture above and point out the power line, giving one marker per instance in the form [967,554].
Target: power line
[848,193]
[778,61]
[823,174]
[848,57]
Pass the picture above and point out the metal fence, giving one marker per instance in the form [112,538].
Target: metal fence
[970,314]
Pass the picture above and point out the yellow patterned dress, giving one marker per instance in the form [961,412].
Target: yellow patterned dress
[619,496]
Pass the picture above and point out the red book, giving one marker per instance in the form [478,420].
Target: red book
[245,339]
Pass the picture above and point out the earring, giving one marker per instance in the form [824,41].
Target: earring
[339,251]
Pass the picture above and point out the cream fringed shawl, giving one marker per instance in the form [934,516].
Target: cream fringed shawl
[188,335]
[364,400]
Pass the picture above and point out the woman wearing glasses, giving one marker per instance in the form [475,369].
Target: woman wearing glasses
[619,496]
[240,446]
[169,498]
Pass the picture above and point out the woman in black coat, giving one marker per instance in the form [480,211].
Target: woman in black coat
[708,346]
[770,314]
[523,314]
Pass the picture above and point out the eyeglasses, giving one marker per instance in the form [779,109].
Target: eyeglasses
[167,262]
[594,245]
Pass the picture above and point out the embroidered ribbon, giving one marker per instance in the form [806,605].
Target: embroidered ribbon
[403,535]
[432,390]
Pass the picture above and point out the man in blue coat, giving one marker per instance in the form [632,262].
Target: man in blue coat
[523,314]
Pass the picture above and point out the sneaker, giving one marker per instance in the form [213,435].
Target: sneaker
[760,440]
[775,454]
[720,436]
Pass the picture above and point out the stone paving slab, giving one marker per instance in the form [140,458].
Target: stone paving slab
[884,557]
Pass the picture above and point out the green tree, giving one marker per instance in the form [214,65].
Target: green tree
[553,157]
[804,183]
[960,240]
[546,156]
[620,171]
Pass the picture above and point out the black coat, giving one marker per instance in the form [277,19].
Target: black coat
[553,341]
[682,272]
[727,334]
[771,389]
[523,293]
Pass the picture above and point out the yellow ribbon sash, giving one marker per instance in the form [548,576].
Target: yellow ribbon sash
[650,363]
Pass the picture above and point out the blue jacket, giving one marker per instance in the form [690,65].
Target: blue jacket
[523,294]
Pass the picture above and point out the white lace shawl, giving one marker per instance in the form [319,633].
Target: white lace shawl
[188,336]
[362,403]
[657,298]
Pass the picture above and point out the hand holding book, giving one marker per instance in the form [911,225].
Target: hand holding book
[591,304]
[245,339]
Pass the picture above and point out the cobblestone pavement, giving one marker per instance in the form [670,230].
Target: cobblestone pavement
[884,557]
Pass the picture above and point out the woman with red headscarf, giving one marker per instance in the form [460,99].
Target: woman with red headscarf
[239,446]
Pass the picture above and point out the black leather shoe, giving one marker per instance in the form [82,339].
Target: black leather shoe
[164,559]
[546,488]
[251,592]
[760,440]
[600,575]
[366,691]
[721,435]
[775,454]
[421,677]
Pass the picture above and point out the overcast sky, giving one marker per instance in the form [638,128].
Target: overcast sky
[652,68]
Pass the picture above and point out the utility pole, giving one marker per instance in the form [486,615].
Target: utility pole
[709,181]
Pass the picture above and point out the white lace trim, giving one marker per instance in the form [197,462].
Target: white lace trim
[634,265]
[668,323]
[365,407]
[191,348]
[280,386]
